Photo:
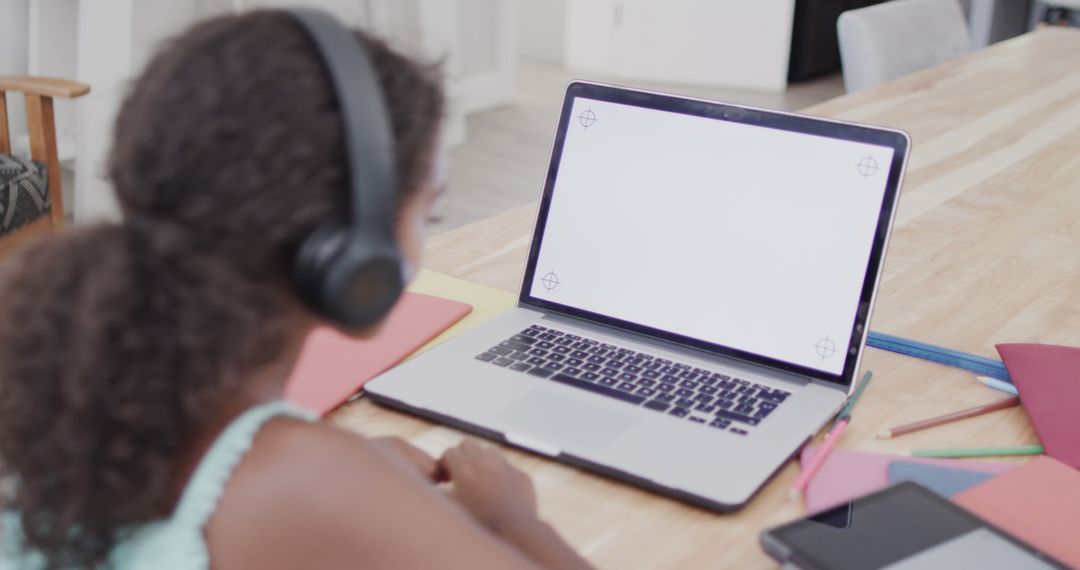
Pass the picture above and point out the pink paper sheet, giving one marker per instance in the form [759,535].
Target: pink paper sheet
[332,366]
[849,474]
[1048,379]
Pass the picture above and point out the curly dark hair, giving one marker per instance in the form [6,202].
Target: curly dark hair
[119,341]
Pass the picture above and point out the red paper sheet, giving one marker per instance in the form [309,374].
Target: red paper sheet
[1038,502]
[1048,379]
[332,366]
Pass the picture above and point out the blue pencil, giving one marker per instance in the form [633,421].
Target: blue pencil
[999,385]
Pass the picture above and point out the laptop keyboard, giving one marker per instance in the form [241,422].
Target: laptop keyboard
[680,390]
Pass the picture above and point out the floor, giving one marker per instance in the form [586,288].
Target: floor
[502,163]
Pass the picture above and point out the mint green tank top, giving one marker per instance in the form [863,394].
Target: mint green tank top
[176,543]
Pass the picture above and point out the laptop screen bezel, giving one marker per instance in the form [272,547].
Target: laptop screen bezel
[894,139]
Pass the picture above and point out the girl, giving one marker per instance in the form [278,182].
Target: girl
[142,363]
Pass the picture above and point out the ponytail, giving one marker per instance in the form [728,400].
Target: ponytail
[116,341]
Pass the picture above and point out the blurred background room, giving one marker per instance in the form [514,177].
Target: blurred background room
[507,63]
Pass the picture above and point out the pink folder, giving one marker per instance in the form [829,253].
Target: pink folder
[1038,502]
[1048,379]
[333,366]
[848,474]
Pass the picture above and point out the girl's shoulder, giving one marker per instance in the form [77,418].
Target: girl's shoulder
[303,490]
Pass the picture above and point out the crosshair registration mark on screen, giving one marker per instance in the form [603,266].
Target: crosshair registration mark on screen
[825,348]
[587,118]
[867,167]
[550,280]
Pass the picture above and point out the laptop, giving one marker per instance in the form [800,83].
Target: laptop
[695,301]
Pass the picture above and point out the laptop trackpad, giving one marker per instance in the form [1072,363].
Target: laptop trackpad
[556,419]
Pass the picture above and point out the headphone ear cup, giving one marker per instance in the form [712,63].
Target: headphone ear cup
[350,279]
[314,259]
[364,283]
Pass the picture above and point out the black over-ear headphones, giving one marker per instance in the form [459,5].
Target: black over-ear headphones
[352,273]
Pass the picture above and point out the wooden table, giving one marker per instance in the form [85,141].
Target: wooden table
[986,249]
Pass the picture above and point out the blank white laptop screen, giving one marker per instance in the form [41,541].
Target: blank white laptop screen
[747,237]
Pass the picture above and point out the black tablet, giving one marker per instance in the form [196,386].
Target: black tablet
[904,527]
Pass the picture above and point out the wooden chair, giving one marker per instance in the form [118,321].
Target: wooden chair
[22,204]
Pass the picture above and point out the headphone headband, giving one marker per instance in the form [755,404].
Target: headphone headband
[352,274]
[369,138]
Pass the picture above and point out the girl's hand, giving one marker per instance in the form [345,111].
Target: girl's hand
[412,455]
[495,492]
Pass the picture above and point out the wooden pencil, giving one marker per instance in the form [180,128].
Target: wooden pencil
[947,418]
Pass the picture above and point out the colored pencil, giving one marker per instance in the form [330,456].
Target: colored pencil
[836,431]
[1000,385]
[948,418]
[846,411]
[979,452]
[819,459]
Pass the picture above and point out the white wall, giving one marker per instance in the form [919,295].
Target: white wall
[14,56]
[105,63]
[724,43]
[733,43]
[14,17]
[478,28]
[542,30]
[590,37]
[352,12]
